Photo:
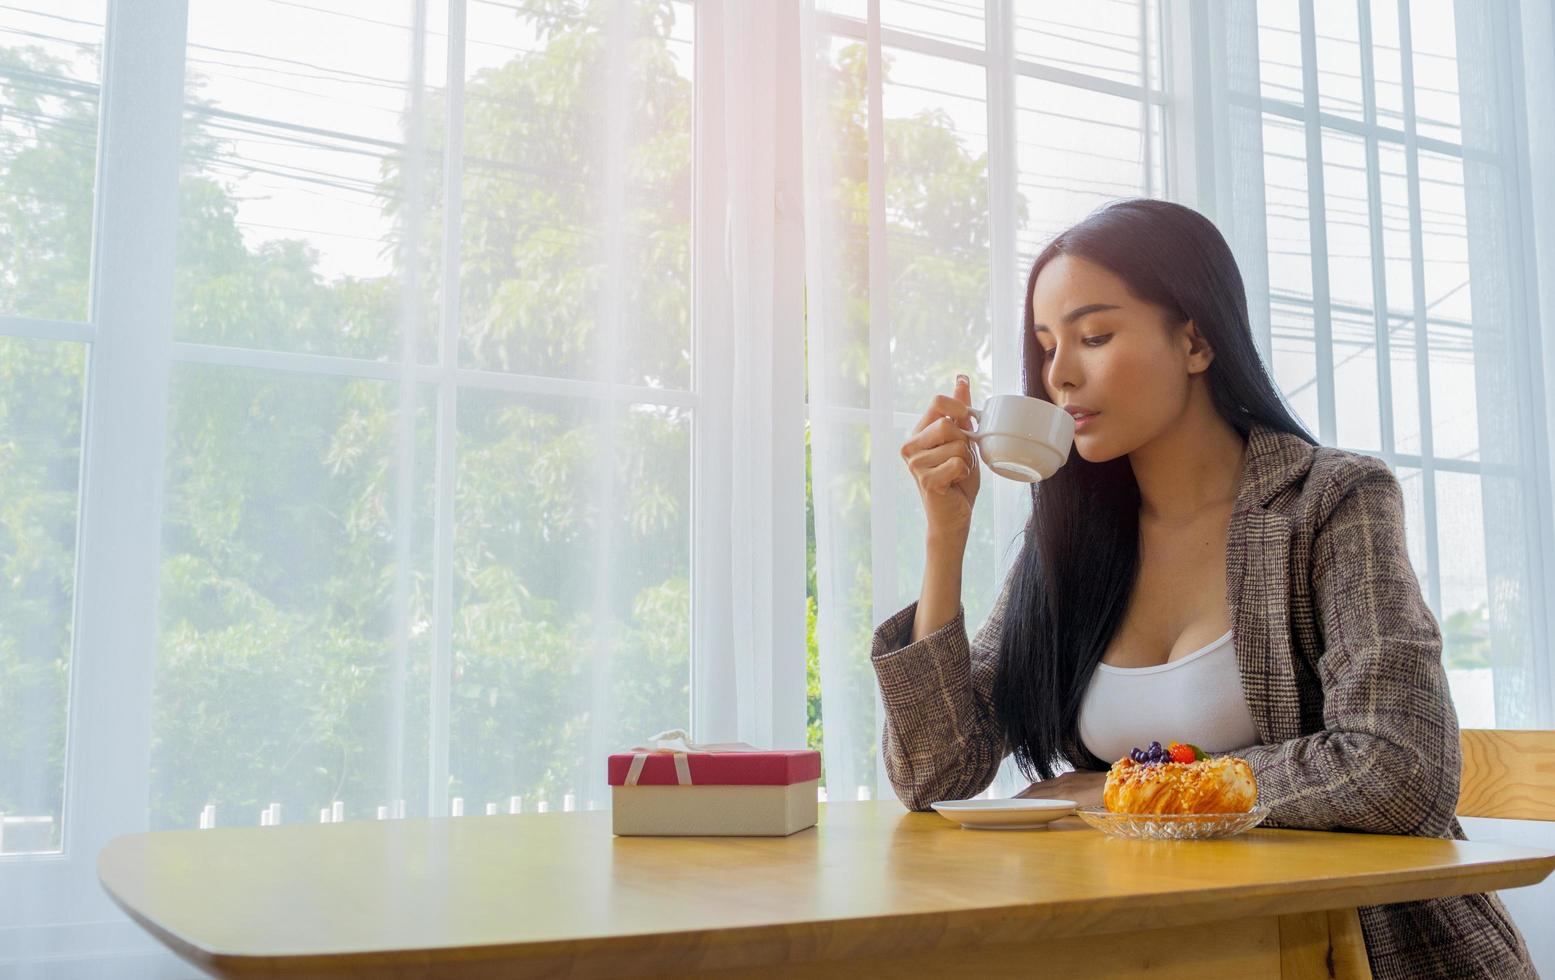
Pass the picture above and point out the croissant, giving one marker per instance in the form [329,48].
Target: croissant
[1204,785]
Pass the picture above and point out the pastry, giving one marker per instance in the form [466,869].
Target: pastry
[1180,778]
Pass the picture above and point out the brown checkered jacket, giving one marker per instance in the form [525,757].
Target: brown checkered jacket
[1340,661]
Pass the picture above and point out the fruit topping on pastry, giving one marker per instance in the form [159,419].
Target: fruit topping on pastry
[1179,778]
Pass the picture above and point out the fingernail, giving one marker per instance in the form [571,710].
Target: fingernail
[962,379]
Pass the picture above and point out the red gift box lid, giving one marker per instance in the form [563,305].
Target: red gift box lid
[776,768]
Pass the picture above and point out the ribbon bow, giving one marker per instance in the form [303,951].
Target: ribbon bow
[676,741]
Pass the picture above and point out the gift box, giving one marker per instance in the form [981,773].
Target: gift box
[674,787]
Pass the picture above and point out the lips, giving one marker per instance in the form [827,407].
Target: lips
[1081,414]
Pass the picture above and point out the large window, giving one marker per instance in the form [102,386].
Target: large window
[425,460]
[50,63]
[1383,331]
[461,300]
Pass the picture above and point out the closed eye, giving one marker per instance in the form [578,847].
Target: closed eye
[1046,352]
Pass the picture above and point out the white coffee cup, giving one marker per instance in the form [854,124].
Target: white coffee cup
[1022,438]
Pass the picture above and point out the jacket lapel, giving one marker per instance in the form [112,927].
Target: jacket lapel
[1258,582]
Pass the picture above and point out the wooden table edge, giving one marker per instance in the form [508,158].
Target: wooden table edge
[827,939]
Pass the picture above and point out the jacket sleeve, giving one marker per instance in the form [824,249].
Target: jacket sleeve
[1387,760]
[941,739]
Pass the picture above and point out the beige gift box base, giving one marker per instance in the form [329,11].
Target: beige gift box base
[713,811]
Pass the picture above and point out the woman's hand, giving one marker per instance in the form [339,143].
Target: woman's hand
[1085,788]
[942,460]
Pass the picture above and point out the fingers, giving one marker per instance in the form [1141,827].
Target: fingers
[940,432]
[946,406]
[938,450]
[938,479]
[926,459]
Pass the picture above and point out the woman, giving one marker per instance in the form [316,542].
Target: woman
[1199,570]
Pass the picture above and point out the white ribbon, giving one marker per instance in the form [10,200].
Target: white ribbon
[676,741]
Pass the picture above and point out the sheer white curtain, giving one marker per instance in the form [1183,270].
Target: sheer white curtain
[750,681]
[402,410]
[1506,88]
[1377,167]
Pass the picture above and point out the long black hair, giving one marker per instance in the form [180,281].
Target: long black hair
[1072,581]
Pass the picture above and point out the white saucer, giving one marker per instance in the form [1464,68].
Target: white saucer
[1028,814]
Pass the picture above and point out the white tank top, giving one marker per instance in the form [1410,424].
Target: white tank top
[1197,699]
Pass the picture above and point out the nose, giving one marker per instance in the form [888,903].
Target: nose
[1063,370]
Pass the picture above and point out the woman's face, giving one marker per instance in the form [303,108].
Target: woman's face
[1115,362]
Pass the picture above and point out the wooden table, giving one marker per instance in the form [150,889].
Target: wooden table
[873,891]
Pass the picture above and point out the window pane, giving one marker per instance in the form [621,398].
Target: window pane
[277,679]
[1402,354]
[572,585]
[857,9]
[1348,224]
[1433,37]
[1444,237]
[1158,173]
[40,463]
[841,228]
[575,257]
[1100,39]
[1154,31]
[1465,616]
[1461,542]
[1347,220]
[1338,59]
[1359,418]
[1279,50]
[936,123]
[1445,258]
[1289,217]
[1295,358]
[1454,405]
[1387,63]
[1076,150]
[50,69]
[293,174]
[1290,266]
[1397,250]
[958,21]
[846,614]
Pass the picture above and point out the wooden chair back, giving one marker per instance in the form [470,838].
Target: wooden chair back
[1508,774]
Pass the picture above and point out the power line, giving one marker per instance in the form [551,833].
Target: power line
[51,16]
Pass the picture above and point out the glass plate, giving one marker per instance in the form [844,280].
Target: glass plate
[1172,826]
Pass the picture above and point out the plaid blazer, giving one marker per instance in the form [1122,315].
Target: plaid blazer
[1340,661]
